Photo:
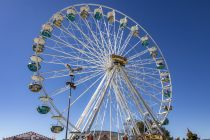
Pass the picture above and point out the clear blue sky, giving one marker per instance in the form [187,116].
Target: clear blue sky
[181,28]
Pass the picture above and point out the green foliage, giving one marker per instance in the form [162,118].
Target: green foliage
[191,135]
[166,133]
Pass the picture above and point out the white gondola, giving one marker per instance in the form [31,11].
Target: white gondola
[36,58]
[39,41]
[57,19]
[58,117]
[37,78]
[111,16]
[123,22]
[45,99]
[164,74]
[153,51]
[47,27]
[166,100]
[84,11]
[135,30]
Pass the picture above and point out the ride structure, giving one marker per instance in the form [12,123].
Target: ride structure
[117,71]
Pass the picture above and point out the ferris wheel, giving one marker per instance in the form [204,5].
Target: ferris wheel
[99,72]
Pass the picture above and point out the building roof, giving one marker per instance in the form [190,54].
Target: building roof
[28,136]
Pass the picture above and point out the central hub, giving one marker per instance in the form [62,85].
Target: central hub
[119,60]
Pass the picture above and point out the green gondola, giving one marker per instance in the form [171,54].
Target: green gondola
[46,34]
[145,41]
[166,121]
[71,17]
[33,66]
[167,93]
[35,87]
[160,64]
[43,109]
[57,129]
[165,79]
[98,15]
[168,108]
[71,14]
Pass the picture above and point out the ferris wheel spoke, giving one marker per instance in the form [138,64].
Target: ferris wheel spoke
[82,42]
[108,36]
[137,55]
[96,43]
[75,65]
[87,89]
[87,78]
[137,71]
[125,43]
[148,93]
[91,51]
[120,42]
[142,62]
[94,35]
[58,91]
[153,85]
[103,40]
[127,52]
[115,39]
[140,68]
[89,55]
[133,73]
[70,57]
[55,74]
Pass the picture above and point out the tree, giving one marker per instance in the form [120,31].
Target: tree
[191,135]
[166,134]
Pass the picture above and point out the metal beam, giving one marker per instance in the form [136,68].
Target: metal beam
[133,89]
[90,103]
[123,103]
[98,104]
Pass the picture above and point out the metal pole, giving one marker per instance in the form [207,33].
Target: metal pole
[67,123]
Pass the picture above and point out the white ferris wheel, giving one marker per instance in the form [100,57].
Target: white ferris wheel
[98,72]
